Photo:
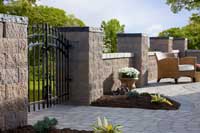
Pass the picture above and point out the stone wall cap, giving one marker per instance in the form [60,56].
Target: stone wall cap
[117,55]
[80,29]
[192,50]
[175,51]
[131,34]
[13,19]
[180,39]
[161,37]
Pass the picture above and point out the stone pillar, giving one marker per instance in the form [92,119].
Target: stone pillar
[13,71]
[180,44]
[163,44]
[85,63]
[138,45]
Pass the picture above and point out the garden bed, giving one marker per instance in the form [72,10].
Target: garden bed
[29,129]
[142,101]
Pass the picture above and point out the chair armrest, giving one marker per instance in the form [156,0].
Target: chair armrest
[168,64]
[188,60]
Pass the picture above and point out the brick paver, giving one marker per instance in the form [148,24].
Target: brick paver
[184,120]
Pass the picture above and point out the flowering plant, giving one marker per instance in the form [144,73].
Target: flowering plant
[102,126]
[129,72]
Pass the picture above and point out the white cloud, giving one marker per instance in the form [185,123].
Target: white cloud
[137,15]
[154,30]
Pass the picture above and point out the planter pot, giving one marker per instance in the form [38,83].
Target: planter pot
[128,82]
[197,76]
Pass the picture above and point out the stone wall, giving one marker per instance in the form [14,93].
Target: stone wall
[111,64]
[85,63]
[180,44]
[137,44]
[162,44]
[194,53]
[152,67]
[13,72]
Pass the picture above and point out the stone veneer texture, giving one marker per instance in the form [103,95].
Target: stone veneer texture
[137,44]
[162,44]
[13,71]
[180,44]
[152,67]
[85,64]
[110,68]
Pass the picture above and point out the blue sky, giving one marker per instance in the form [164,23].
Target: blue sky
[139,16]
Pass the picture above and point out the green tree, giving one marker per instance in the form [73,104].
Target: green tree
[173,32]
[178,5]
[40,14]
[111,28]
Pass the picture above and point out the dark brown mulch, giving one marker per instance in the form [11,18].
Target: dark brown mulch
[143,101]
[29,129]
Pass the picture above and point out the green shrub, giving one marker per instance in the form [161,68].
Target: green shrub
[44,125]
[133,94]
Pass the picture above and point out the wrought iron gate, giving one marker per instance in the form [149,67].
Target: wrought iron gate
[48,65]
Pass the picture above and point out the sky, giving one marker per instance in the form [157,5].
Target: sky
[138,16]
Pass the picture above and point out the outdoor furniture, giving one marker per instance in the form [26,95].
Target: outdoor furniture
[170,66]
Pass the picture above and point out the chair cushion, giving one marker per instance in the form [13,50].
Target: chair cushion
[186,67]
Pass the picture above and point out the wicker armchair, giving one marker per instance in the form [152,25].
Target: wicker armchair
[170,66]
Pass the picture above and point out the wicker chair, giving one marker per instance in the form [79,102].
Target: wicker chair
[170,66]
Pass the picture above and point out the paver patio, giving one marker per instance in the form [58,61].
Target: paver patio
[184,120]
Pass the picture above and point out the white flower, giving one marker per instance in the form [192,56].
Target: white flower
[129,72]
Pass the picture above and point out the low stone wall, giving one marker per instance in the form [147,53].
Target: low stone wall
[152,66]
[111,65]
[13,72]
[195,53]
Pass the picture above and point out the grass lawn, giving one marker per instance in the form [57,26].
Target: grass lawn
[31,91]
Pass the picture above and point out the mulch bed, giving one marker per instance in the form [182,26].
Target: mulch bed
[143,102]
[29,129]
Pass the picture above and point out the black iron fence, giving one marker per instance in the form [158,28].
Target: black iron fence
[48,65]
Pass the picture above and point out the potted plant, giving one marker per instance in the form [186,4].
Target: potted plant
[128,76]
[197,73]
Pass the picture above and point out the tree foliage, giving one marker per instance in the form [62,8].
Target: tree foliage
[40,14]
[178,5]
[111,28]
[190,31]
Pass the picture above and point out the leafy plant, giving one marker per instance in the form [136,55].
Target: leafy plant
[111,28]
[129,72]
[45,124]
[157,98]
[102,126]
[133,94]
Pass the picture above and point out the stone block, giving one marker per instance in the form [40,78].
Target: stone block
[2,121]
[4,45]
[180,44]
[2,76]
[23,74]
[22,60]
[2,61]
[1,30]
[163,44]
[11,76]
[11,60]
[2,93]
[22,46]
[14,30]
